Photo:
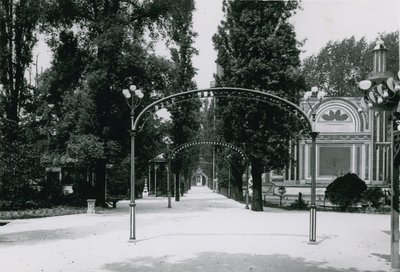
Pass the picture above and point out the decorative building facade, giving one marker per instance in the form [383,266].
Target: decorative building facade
[351,139]
[352,136]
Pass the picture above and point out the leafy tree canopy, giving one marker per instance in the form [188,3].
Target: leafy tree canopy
[257,49]
[340,65]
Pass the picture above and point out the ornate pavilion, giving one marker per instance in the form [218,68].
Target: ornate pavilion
[350,139]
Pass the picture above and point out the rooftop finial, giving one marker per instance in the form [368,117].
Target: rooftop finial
[380,44]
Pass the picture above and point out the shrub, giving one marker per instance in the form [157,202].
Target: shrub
[345,191]
[19,166]
[18,205]
[83,190]
[52,191]
[373,196]
[6,205]
[299,203]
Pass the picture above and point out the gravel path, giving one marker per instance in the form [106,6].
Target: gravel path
[203,232]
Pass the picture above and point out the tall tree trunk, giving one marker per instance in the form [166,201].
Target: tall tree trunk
[183,185]
[237,183]
[256,171]
[189,182]
[177,186]
[100,171]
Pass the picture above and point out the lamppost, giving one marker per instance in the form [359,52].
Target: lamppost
[320,94]
[382,93]
[133,98]
[168,142]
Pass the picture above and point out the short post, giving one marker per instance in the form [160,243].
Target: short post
[281,191]
[145,190]
[91,206]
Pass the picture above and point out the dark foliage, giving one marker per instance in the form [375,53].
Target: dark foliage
[83,190]
[373,196]
[299,203]
[345,191]
[257,49]
[51,191]
[340,65]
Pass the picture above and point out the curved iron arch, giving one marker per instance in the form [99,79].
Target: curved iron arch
[221,158]
[217,143]
[234,93]
[229,92]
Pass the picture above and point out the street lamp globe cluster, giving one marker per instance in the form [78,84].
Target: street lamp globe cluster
[315,92]
[381,89]
[132,90]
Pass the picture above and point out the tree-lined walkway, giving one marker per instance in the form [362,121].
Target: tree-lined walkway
[203,232]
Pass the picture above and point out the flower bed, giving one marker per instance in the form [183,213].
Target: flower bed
[56,211]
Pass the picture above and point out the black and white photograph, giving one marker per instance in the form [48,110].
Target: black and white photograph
[199,135]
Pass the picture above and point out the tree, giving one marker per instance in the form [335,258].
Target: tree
[18,24]
[340,65]
[19,168]
[257,49]
[345,190]
[185,117]
[19,21]
[112,35]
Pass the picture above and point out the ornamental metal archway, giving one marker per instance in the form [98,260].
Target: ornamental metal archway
[215,143]
[220,158]
[228,92]
[198,174]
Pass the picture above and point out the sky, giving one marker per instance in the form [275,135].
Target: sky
[318,22]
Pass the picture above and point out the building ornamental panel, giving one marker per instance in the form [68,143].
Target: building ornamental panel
[344,137]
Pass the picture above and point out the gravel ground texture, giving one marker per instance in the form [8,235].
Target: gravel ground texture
[203,232]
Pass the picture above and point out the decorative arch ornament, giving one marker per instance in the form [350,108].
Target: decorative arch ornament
[339,111]
[215,143]
[228,92]
[199,173]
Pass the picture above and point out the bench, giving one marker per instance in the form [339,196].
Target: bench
[112,202]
